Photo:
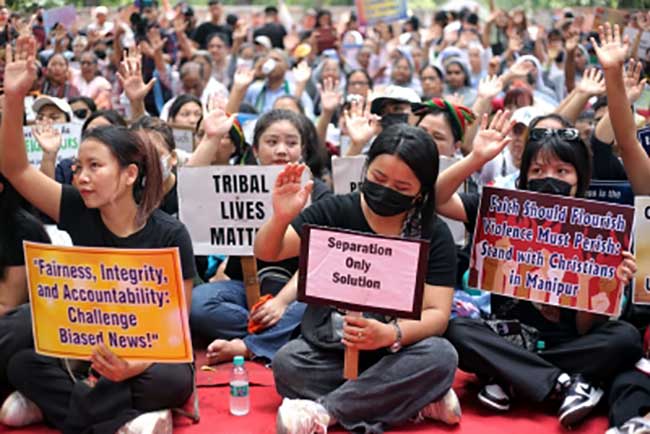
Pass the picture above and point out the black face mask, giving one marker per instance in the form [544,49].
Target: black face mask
[393,119]
[550,186]
[385,201]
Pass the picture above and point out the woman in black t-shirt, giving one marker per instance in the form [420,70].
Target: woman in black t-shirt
[407,368]
[119,188]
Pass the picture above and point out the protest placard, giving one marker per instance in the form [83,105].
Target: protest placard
[133,301]
[183,138]
[348,175]
[224,206]
[70,140]
[642,250]
[362,272]
[65,15]
[611,191]
[371,11]
[551,249]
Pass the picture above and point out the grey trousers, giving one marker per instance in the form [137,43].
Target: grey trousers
[391,388]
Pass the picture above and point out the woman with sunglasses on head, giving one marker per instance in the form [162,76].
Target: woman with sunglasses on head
[406,368]
[119,188]
[574,361]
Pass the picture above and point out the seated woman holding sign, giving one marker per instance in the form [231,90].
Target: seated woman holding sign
[406,367]
[572,358]
[219,309]
[119,187]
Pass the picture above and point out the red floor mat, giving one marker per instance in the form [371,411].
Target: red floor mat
[213,401]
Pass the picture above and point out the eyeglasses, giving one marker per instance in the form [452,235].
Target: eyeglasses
[562,133]
[81,113]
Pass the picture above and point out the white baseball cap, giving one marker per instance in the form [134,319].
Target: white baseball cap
[526,114]
[59,103]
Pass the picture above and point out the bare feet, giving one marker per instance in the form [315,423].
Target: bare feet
[221,350]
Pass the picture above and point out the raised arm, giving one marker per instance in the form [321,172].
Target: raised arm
[20,73]
[330,97]
[592,84]
[210,150]
[241,81]
[489,142]
[130,77]
[488,88]
[612,55]
[276,239]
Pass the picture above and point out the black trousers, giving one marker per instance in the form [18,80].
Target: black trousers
[599,355]
[629,396]
[15,335]
[74,407]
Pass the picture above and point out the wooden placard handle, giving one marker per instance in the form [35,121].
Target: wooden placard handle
[251,283]
[351,359]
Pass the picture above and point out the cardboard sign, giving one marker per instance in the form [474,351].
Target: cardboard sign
[362,272]
[348,175]
[642,250]
[643,135]
[370,12]
[133,301]
[65,16]
[551,249]
[611,191]
[223,207]
[184,139]
[70,136]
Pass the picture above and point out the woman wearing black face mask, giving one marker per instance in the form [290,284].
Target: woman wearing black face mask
[407,363]
[575,359]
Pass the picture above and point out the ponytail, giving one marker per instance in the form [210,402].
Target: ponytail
[129,148]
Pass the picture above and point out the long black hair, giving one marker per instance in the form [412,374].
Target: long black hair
[417,150]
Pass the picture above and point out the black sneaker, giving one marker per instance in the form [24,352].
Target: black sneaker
[636,425]
[579,399]
[494,397]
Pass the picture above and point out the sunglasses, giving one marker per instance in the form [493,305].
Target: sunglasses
[562,133]
[81,113]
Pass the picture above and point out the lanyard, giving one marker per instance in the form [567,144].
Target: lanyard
[260,100]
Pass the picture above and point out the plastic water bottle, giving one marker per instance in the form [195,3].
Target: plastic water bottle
[239,397]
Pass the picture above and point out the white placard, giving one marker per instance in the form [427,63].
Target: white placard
[184,139]
[71,137]
[224,206]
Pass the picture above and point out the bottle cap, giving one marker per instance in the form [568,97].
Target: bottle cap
[238,360]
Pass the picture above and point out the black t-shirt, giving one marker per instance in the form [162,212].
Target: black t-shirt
[274,31]
[290,265]
[344,212]
[606,165]
[169,203]
[87,229]
[206,29]
[25,228]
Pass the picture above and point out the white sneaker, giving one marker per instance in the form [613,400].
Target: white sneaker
[446,409]
[155,422]
[301,416]
[18,411]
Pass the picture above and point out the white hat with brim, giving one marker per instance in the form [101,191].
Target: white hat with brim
[394,93]
[59,103]
[525,115]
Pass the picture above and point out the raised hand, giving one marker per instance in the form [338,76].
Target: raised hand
[592,83]
[47,137]
[301,72]
[330,95]
[455,99]
[573,39]
[490,140]
[360,123]
[130,76]
[180,25]
[643,20]
[289,197]
[521,69]
[20,68]
[612,51]
[243,77]
[217,123]
[240,32]
[489,87]
[156,41]
[634,85]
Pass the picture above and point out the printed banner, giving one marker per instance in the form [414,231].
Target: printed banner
[184,139]
[223,207]
[551,249]
[133,301]
[371,11]
[362,272]
[611,191]
[347,176]
[643,135]
[70,136]
[642,250]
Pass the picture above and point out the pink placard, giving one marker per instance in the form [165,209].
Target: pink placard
[362,272]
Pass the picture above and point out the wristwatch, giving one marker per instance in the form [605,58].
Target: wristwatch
[397,345]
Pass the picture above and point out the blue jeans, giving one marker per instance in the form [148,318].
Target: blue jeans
[219,311]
